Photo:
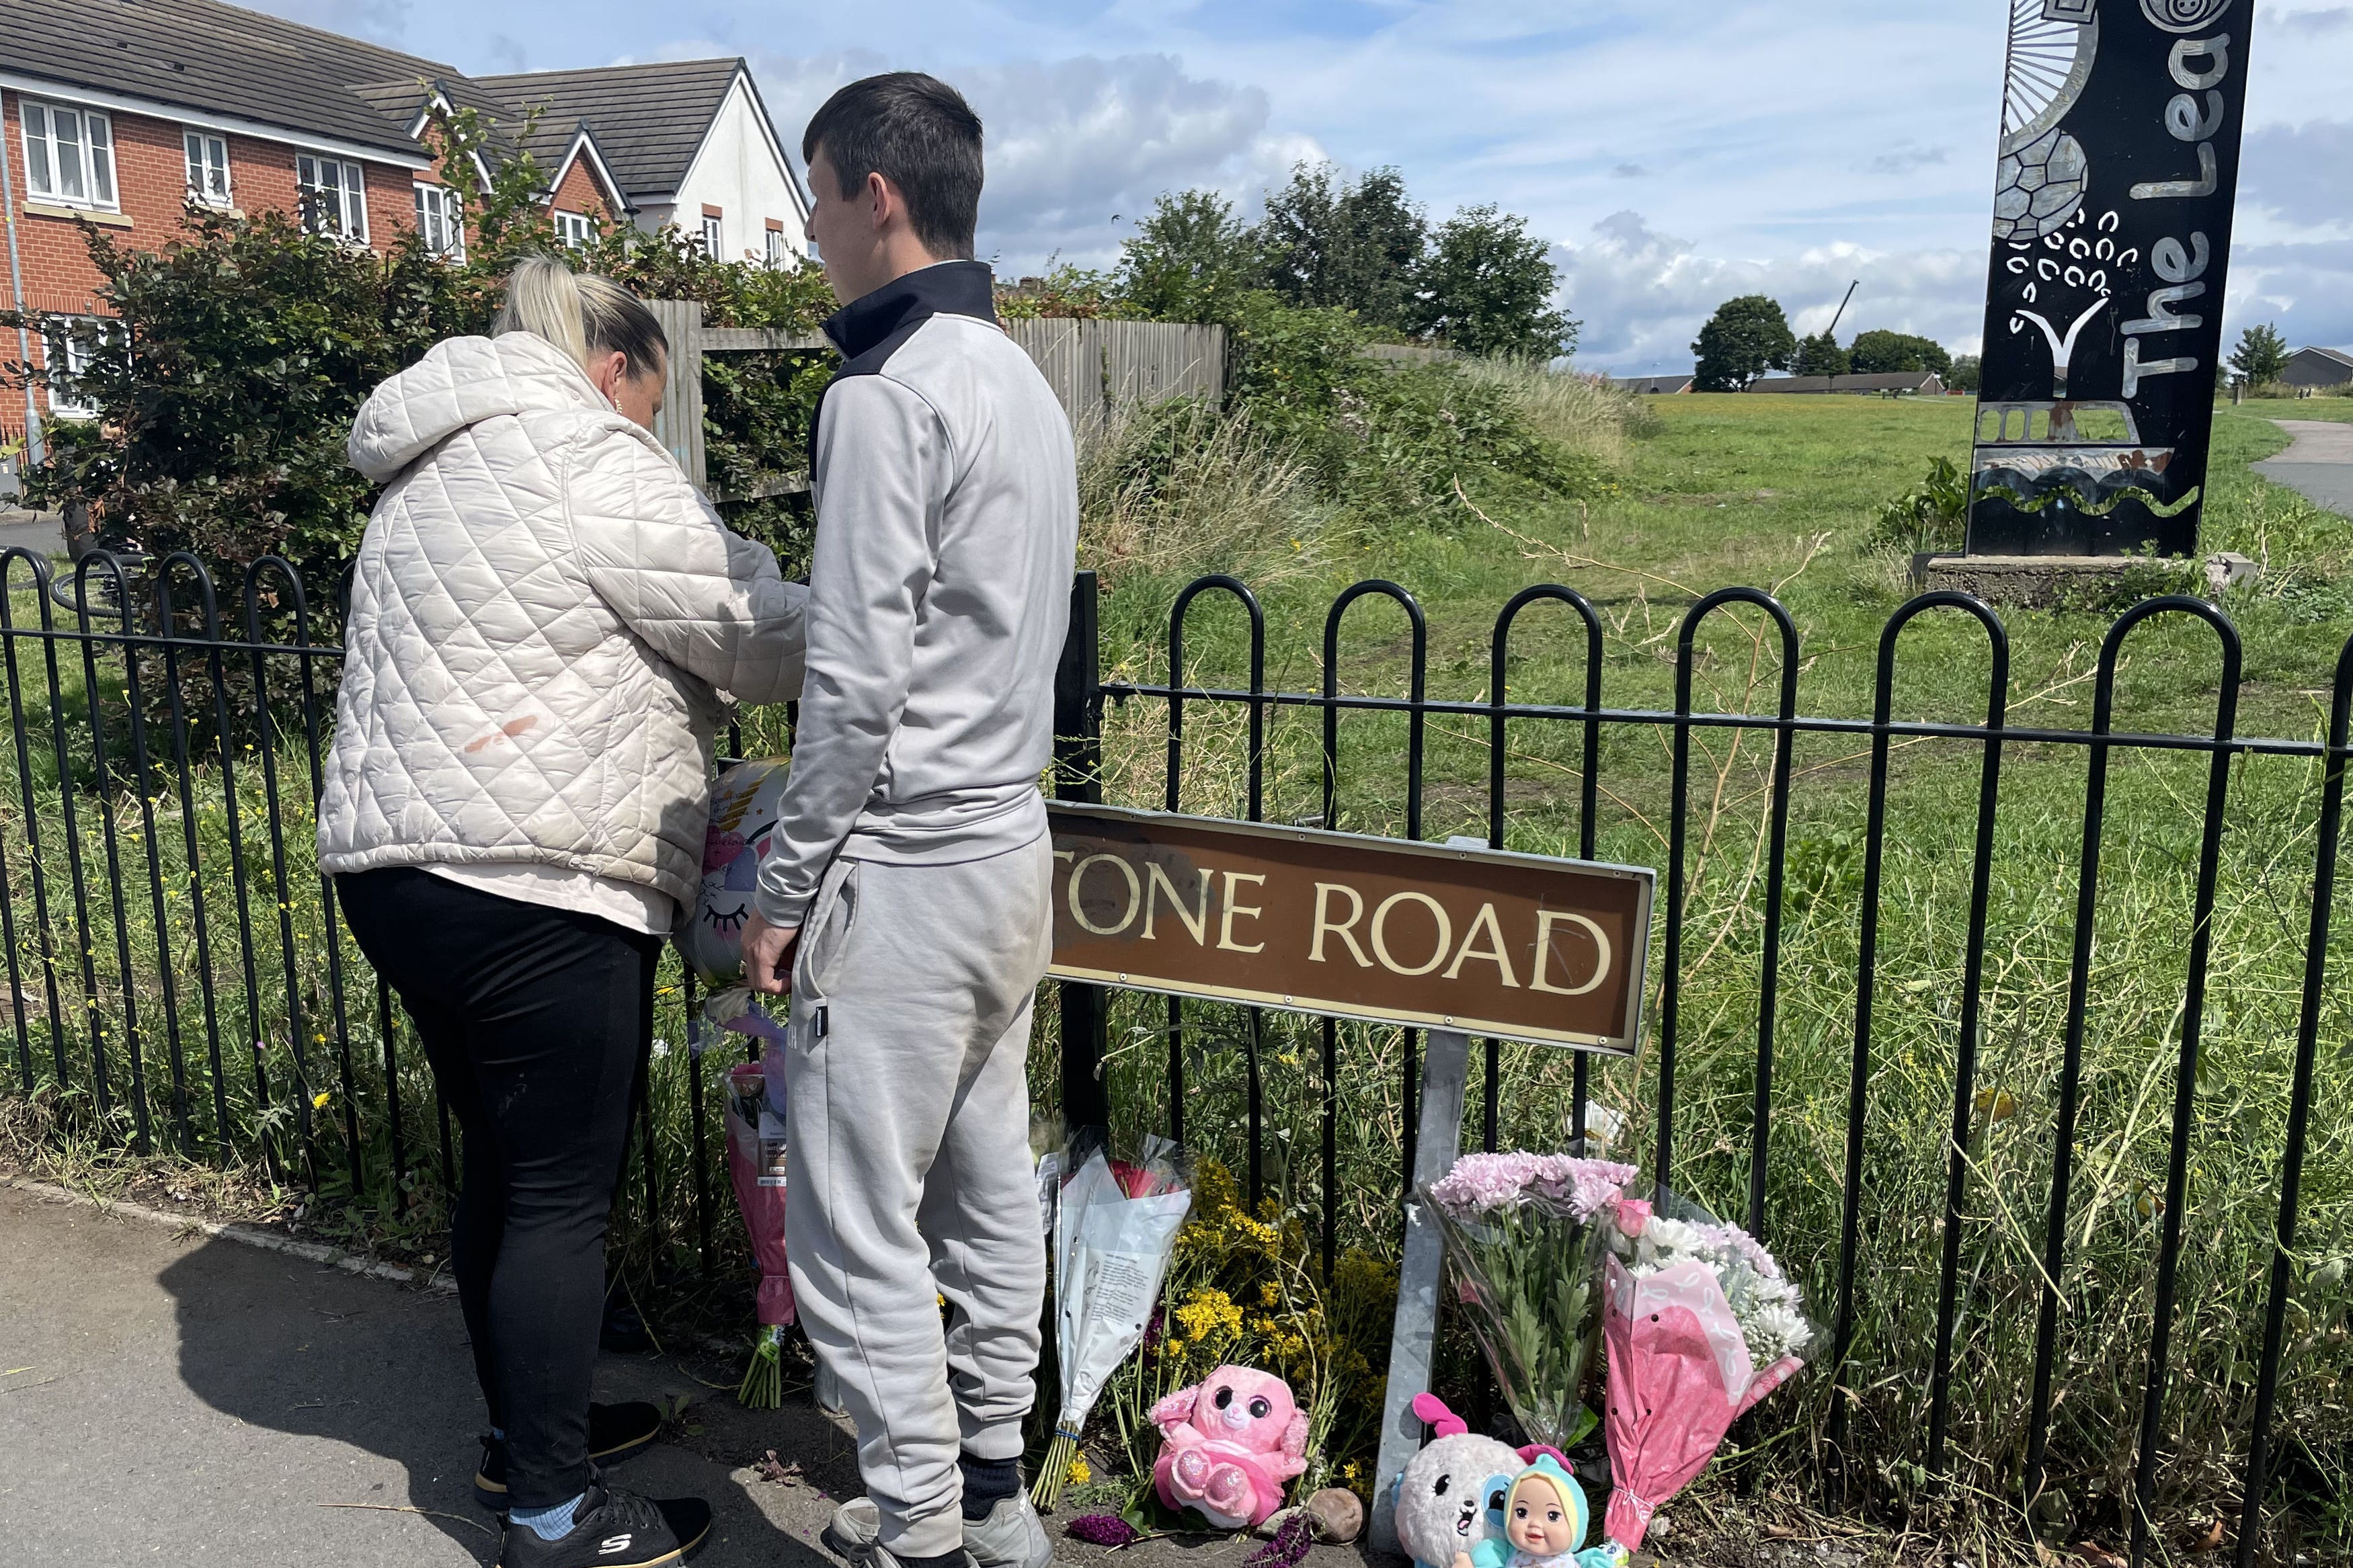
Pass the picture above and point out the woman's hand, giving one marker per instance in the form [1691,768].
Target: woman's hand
[768,954]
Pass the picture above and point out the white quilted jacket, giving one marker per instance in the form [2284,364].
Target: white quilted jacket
[546,624]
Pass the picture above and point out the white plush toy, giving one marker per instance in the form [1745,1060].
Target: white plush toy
[1450,1497]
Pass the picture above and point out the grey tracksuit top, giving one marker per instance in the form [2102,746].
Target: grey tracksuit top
[948,517]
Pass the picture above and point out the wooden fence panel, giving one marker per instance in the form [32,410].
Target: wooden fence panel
[679,425]
[1094,368]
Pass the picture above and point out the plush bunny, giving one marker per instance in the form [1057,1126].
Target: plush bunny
[1451,1495]
[1230,1442]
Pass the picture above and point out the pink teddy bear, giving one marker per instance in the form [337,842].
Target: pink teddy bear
[1232,1441]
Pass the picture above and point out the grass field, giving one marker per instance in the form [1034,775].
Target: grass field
[2339,408]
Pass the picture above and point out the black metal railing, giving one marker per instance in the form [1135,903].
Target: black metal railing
[186,984]
[1587,722]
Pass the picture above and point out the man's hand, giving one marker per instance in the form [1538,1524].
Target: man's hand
[768,954]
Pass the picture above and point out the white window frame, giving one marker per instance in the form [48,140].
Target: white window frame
[60,351]
[198,148]
[89,151]
[440,208]
[344,184]
[712,235]
[779,253]
[574,229]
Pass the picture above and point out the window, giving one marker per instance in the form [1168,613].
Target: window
[207,168]
[710,235]
[68,153]
[573,229]
[778,255]
[71,343]
[441,222]
[334,196]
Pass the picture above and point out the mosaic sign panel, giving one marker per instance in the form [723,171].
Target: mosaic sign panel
[2103,305]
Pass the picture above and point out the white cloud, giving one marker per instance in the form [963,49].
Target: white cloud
[2306,289]
[1792,144]
[1642,295]
[381,21]
[1077,148]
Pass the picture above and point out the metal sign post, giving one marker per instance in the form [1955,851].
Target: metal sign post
[1445,1069]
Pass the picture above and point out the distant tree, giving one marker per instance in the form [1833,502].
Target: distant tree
[1819,355]
[2260,356]
[1745,338]
[1968,373]
[1189,259]
[1487,286]
[1327,243]
[1885,353]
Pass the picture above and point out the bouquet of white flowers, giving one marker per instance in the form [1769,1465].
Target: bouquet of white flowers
[1701,1324]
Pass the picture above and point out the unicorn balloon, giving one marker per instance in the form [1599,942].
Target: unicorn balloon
[742,814]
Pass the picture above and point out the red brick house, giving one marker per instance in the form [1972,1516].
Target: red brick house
[116,113]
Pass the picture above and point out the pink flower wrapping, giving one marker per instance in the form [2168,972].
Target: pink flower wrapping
[1679,1375]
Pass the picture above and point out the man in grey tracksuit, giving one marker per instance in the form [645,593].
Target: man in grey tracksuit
[906,892]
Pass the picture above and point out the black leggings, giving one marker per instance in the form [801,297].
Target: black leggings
[535,1021]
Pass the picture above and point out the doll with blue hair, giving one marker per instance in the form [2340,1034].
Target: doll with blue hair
[1545,1517]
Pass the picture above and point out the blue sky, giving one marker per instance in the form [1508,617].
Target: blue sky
[1675,151]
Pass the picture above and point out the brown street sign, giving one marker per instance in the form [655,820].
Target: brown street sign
[1483,942]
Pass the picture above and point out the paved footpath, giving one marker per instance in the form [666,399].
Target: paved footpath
[177,1398]
[2318,464]
[170,1399]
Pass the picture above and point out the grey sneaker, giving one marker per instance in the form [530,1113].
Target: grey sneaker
[1012,1536]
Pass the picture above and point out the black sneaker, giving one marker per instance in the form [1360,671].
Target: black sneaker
[614,1529]
[616,1432]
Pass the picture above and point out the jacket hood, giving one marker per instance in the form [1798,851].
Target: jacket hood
[462,381]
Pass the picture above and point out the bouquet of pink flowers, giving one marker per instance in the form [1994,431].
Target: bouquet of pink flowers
[1525,1234]
[755,1168]
[1700,1325]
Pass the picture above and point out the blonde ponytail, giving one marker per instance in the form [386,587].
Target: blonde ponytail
[585,316]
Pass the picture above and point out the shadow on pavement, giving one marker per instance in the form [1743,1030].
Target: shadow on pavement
[352,1361]
[371,1366]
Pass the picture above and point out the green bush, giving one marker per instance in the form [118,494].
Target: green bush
[240,350]
[1933,515]
[1390,439]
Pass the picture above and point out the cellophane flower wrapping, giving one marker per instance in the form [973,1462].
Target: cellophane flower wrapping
[1701,1324]
[1115,1225]
[1526,1234]
[755,1170]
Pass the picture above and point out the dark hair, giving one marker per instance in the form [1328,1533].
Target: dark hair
[582,314]
[916,132]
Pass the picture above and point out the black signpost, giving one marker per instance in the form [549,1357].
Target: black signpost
[2104,307]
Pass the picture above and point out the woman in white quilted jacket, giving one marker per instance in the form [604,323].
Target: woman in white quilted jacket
[547,623]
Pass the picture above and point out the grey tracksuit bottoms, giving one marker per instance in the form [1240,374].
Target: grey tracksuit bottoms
[909,1171]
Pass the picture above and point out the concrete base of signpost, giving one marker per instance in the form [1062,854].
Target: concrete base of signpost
[2058,582]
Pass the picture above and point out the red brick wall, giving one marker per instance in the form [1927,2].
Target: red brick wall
[580,193]
[151,183]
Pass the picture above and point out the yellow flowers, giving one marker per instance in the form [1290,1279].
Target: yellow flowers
[1079,1472]
[319,1101]
[1208,1311]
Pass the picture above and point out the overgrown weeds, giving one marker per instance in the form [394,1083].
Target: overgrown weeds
[1179,489]
[1577,413]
